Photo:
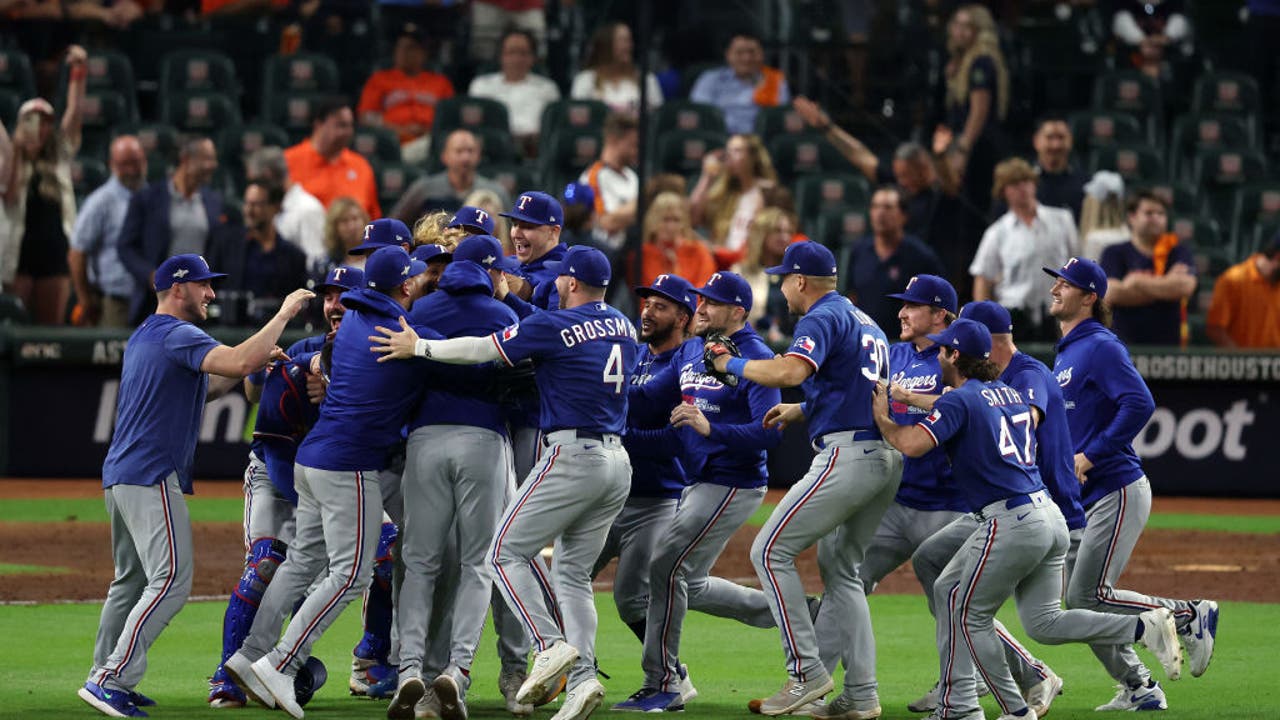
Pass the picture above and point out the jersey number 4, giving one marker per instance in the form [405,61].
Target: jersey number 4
[613,370]
[1026,455]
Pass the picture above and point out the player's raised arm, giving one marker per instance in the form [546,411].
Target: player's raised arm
[404,344]
[258,349]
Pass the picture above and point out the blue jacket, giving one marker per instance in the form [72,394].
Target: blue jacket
[655,468]
[1107,403]
[927,483]
[145,235]
[463,306]
[543,280]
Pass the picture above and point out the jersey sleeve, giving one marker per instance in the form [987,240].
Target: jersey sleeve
[524,339]
[188,345]
[948,416]
[812,341]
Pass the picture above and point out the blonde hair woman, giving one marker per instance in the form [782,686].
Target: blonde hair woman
[770,233]
[729,193]
[1102,214]
[670,246]
[977,100]
[488,201]
[344,229]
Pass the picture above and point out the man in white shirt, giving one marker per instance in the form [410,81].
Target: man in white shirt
[524,93]
[301,218]
[1028,237]
[616,185]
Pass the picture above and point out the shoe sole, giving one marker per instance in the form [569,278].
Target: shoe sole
[803,700]
[408,695]
[452,706]
[97,704]
[251,686]
[536,690]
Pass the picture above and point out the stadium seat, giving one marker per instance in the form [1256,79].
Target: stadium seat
[775,121]
[1262,233]
[1253,205]
[839,227]
[376,143]
[804,154]
[1135,163]
[1181,197]
[107,70]
[1231,93]
[237,142]
[201,111]
[816,194]
[393,179]
[682,151]
[184,71]
[303,72]
[1218,173]
[16,74]
[1197,231]
[103,109]
[87,173]
[468,112]
[577,114]
[568,152]
[1103,128]
[685,115]
[10,101]
[1194,132]
[1133,92]
[159,141]
[514,178]
[291,112]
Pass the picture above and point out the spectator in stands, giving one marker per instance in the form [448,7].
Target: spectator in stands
[664,182]
[40,201]
[491,202]
[1148,28]
[670,246]
[103,285]
[614,182]
[1060,183]
[730,192]
[884,261]
[609,72]
[262,266]
[325,165]
[1150,278]
[579,203]
[515,85]
[404,96]
[447,189]
[743,85]
[977,82]
[492,21]
[1030,236]
[771,232]
[1245,310]
[344,225]
[1102,217]
[171,217]
[301,216]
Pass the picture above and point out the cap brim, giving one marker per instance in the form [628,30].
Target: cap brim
[363,248]
[1067,280]
[526,218]
[416,267]
[447,257]
[646,292]
[779,270]
[469,226]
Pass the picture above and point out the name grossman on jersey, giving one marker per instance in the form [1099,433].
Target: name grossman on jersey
[598,329]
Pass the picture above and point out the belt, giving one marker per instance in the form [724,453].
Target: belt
[1038,498]
[849,436]
[556,437]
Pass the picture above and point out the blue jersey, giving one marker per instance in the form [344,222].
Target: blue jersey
[463,306]
[1107,403]
[656,470]
[736,452]
[926,480]
[987,431]
[285,413]
[1034,381]
[543,278]
[367,402]
[158,408]
[849,355]
[584,358]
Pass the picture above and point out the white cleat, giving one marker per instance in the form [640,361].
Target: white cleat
[1132,699]
[279,685]
[408,693]
[240,669]
[1160,636]
[1198,636]
[581,701]
[548,666]
[1042,694]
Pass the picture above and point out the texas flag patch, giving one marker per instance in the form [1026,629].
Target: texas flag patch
[510,332]
[934,416]
[805,343]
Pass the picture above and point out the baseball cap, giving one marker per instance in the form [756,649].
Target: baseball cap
[343,277]
[968,336]
[673,288]
[729,288]
[989,313]
[1084,274]
[929,290]
[381,233]
[537,208]
[183,269]
[389,267]
[576,193]
[431,252]
[485,251]
[806,258]
[585,263]
[473,219]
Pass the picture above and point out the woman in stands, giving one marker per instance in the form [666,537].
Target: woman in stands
[1102,215]
[609,73]
[343,230]
[730,192]
[977,101]
[670,245]
[772,230]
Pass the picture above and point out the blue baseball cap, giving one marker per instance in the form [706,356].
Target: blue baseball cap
[537,208]
[991,314]
[674,288]
[968,336]
[431,252]
[485,251]
[472,218]
[343,277]
[729,288]
[806,258]
[1084,274]
[388,267]
[577,193]
[183,269]
[929,290]
[381,233]
[585,263]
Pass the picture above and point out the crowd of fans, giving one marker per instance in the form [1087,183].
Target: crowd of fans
[955,199]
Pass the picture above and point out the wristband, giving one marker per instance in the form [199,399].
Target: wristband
[736,366]
[421,349]
[79,71]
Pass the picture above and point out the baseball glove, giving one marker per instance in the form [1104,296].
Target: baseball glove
[716,345]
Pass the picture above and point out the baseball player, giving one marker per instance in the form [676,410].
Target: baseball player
[536,219]
[1108,404]
[458,465]
[1020,546]
[584,354]
[837,357]
[288,405]
[163,387]
[336,478]
[724,449]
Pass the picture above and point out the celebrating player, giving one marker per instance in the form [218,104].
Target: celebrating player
[163,387]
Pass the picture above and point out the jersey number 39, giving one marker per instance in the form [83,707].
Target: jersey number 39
[613,370]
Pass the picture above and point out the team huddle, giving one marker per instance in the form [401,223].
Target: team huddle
[467,410]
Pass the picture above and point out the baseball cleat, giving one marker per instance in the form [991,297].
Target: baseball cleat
[373,679]
[240,669]
[1041,695]
[795,693]
[112,703]
[927,702]
[140,700]
[1197,637]
[452,705]
[581,701]
[1150,697]
[844,708]
[1029,715]
[509,682]
[225,694]
[411,690]
[1160,636]
[651,700]
[687,690]
[428,706]
[279,685]
[548,666]
[754,704]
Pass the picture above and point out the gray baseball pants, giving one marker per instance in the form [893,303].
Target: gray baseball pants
[572,496]
[266,513]
[151,548]
[848,487]
[632,539]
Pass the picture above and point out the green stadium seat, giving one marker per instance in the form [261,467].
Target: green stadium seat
[376,143]
[1262,233]
[158,140]
[569,151]
[682,151]
[775,121]
[1232,93]
[839,227]
[103,109]
[1194,132]
[1104,128]
[496,148]
[106,70]
[574,114]
[1197,231]
[190,70]
[393,179]
[204,112]
[472,113]
[514,178]
[302,72]
[1134,92]
[1219,173]
[1253,205]
[1135,163]
[237,142]
[685,115]
[816,194]
[87,173]
[291,111]
[1181,197]
[804,154]
[16,74]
